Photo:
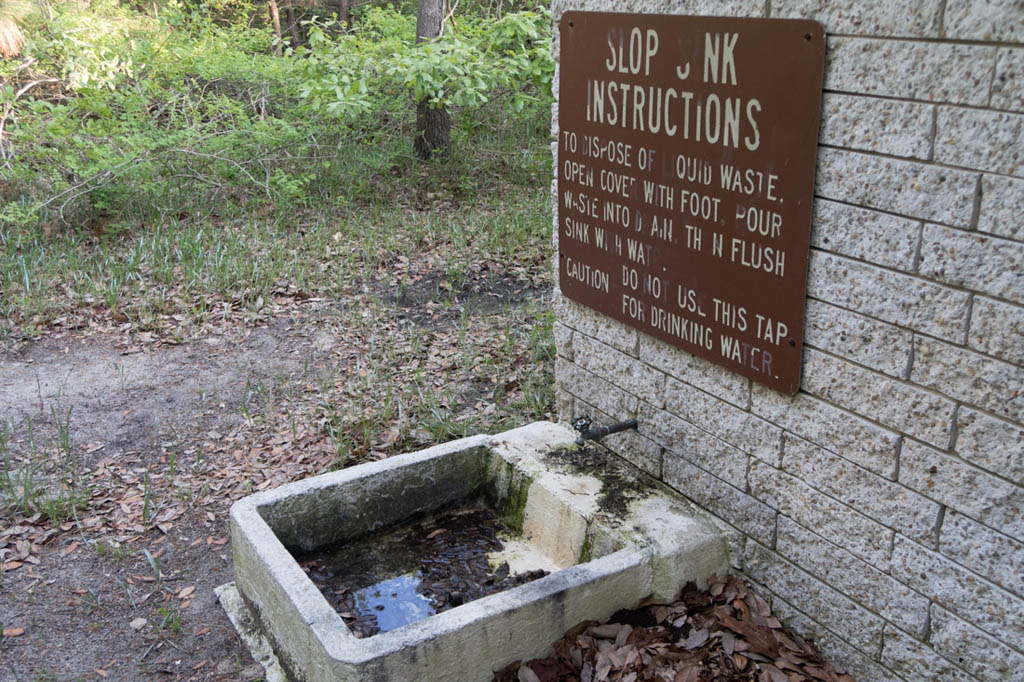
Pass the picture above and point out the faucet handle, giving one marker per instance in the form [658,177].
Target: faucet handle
[581,424]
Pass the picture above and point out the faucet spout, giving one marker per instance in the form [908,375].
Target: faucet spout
[583,426]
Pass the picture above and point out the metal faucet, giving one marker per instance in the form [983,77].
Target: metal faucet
[588,432]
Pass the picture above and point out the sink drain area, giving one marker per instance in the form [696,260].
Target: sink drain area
[429,565]
[449,563]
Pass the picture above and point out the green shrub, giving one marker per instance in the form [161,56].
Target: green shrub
[188,114]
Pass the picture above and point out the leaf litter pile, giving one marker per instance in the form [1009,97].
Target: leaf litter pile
[723,634]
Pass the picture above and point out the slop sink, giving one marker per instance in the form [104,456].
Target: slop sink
[608,535]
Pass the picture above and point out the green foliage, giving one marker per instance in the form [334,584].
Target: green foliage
[131,119]
[484,60]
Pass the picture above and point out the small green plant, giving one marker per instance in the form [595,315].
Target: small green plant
[170,620]
[118,551]
[148,505]
[119,366]
[154,564]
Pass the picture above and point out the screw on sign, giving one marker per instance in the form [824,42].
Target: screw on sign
[686,154]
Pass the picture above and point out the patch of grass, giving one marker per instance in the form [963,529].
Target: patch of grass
[118,551]
[45,480]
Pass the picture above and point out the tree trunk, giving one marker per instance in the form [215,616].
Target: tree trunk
[275,20]
[344,13]
[293,25]
[433,125]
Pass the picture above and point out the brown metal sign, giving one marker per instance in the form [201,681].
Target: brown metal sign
[686,151]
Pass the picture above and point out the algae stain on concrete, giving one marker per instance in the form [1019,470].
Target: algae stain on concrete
[620,482]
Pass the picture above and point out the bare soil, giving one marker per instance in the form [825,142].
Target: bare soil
[79,597]
[164,437]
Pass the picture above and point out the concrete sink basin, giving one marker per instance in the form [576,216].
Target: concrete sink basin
[606,559]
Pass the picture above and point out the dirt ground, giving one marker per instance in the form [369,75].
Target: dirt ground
[162,437]
[80,596]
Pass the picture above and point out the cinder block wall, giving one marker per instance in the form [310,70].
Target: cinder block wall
[882,507]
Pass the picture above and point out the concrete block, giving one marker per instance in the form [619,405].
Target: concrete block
[747,431]
[911,18]
[860,441]
[1008,85]
[606,397]
[992,444]
[970,377]
[839,651]
[616,367]
[563,340]
[997,329]
[746,513]
[865,340]
[565,404]
[994,20]
[962,592]
[989,265]
[828,606]
[886,126]
[916,70]
[696,371]
[980,139]
[856,579]
[993,501]
[697,446]
[998,557]
[879,238]
[889,503]
[594,324]
[909,188]
[893,297]
[977,652]
[901,406]
[1002,205]
[810,508]
[915,661]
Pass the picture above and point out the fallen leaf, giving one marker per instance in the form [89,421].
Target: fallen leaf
[100,671]
[527,675]
[13,632]
[774,673]
[186,591]
[696,639]
[690,673]
[728,642]
[137,624]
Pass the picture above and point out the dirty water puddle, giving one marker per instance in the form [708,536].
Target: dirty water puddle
[390,579]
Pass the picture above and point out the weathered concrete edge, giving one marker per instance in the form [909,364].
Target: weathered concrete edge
[533,616]
[262,652]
